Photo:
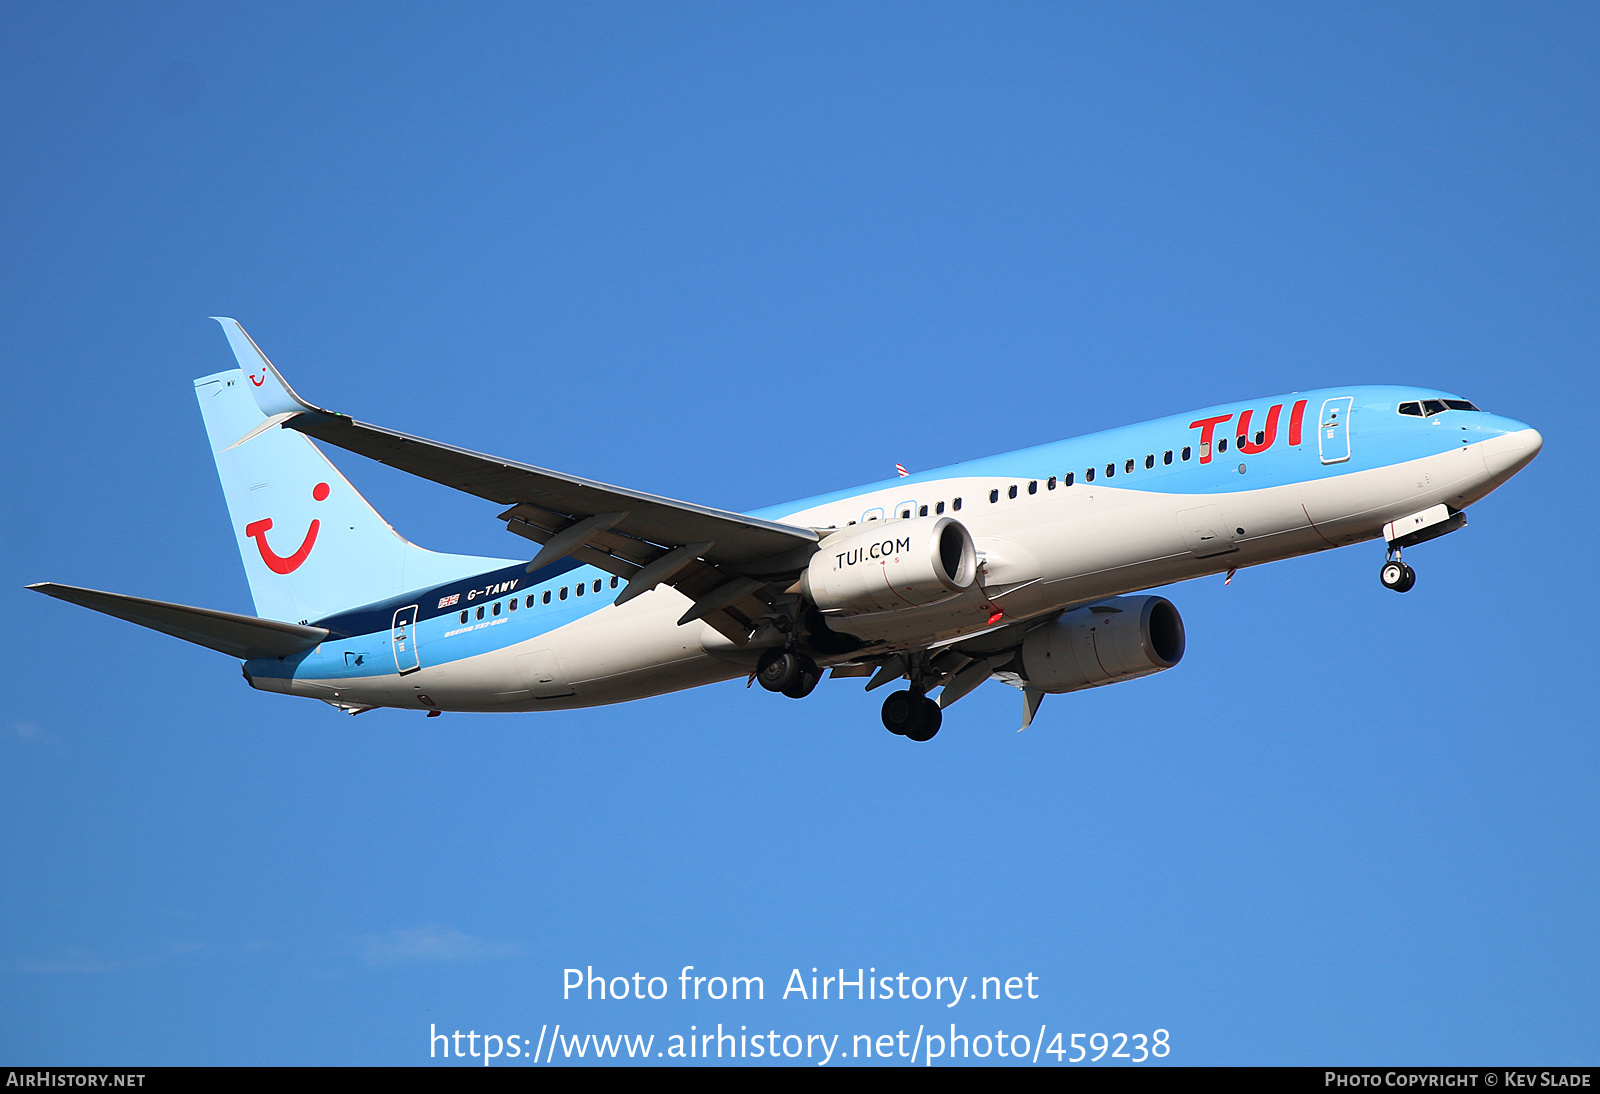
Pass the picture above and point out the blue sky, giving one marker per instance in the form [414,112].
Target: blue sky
[738,254]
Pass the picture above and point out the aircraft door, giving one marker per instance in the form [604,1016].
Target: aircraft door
[403,636]
[1333,432]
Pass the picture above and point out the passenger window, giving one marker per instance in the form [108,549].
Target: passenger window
[1460,404]
[923,511]
[1432,407]
[1033,487]
[1127,468]
[905,513]
[1167,456]
[496,608]
[956,505]
[1051,483]
[1222,445]
[562,595]
[529,601]
[1413,409]
[463,617]
[1149,462]
[994,496]
[480,611]
[613,582]
[597,584]
[1011,493]
[1186,452]
[511,605]
[1111,469]
[578,589]
[939,508]
[1067,481]
[1088,475]
[546,598]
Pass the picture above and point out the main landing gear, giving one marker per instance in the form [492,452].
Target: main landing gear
[788,673]
[908,713]
[1397,575]
[912,714]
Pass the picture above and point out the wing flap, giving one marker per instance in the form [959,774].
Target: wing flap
[241,636]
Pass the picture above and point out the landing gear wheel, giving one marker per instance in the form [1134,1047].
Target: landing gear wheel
[778,669]
[789,673]
[1398,576]
[806,681]
[900,710]
[1394,575]
[911,715]
[929,723]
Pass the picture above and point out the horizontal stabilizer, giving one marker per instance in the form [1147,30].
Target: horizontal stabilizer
[241,636]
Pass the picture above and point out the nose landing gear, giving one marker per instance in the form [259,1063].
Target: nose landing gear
[911,714]
[1397,575]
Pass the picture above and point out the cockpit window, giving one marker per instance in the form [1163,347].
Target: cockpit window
[1427,408]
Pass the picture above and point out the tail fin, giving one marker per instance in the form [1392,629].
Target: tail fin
[311,544]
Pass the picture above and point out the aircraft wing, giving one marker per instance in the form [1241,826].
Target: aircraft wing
[730,565]
[735,540]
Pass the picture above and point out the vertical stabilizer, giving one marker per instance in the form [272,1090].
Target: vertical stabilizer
[311,544]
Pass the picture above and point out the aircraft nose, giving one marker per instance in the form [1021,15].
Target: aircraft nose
[1535,441]
[1509,452]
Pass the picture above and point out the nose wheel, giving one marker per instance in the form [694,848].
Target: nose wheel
[1397,575]
[911,714]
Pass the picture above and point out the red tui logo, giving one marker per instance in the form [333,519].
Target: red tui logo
[277,563]
[1245,443]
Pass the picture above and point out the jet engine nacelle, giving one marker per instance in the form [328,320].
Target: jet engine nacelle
[892,564]
[1122,638]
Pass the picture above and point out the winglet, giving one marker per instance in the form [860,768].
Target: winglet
[272,392]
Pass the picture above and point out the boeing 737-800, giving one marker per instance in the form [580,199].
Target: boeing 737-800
[1027,567]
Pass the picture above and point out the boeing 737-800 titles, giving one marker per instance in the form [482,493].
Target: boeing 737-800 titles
[1026,567]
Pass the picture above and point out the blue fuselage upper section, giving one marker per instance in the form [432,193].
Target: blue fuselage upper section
[1378,433]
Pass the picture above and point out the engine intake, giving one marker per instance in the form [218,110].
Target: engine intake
[1122,638]
[892,564]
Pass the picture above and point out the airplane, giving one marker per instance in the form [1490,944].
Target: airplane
[1031,567]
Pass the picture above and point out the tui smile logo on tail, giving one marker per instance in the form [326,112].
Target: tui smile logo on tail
[261,381]
[277,563]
